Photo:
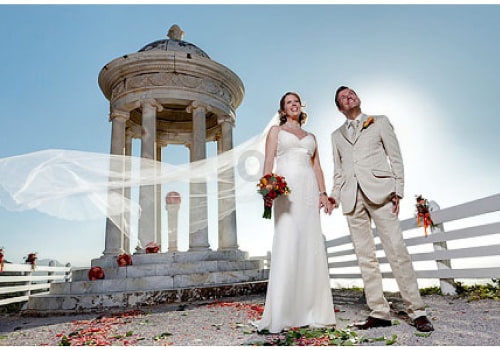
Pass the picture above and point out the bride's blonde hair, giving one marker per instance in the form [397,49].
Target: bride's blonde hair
[281,111]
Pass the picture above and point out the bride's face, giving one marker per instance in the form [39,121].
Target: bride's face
[292,106]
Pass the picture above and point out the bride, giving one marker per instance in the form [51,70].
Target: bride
[298,293]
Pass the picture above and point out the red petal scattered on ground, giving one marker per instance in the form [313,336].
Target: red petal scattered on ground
[254,311]
[99,331]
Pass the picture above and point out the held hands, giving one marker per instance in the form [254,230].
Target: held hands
[328,203]
[323,203]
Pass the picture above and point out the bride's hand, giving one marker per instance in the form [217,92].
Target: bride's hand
[323,203]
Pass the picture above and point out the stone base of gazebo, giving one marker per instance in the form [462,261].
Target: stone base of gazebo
[155,279]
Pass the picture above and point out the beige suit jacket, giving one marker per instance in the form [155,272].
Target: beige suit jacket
[373,161]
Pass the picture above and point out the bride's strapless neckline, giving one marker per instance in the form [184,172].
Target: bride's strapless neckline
[299,138]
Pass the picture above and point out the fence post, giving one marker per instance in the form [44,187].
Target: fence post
[67,274]
[447,284]
[52,263]
[268,260]
[28,282]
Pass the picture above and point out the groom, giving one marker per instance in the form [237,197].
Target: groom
[368,182]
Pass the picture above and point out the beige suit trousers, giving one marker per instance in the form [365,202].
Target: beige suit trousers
[389,231]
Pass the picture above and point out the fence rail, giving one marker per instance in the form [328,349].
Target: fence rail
[438,237]
[24,279]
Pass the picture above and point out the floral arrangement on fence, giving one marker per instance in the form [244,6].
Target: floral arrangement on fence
[124,260]
[96,273]
[1,259]
[423,214]
[30,259]
[270,187]
[152,248]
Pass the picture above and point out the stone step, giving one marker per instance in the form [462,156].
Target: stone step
[174,257]
[148,283]
[169,269]
[44,305]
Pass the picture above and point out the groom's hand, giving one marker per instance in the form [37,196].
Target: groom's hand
[331,205]
[395,204]
[325,204]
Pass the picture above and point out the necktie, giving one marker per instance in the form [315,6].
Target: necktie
[353,125]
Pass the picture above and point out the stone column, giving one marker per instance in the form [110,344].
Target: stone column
[173,202]
[147,196]
[113,242]
[158,199]
[127,192]
[228,239]
[198,211]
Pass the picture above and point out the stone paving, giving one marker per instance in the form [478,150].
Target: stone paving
[228,322]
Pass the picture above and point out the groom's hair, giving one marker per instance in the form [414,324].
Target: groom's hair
[338,92]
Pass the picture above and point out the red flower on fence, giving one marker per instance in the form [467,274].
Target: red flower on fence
[270,187]
[1,259]
[96,273]
[31,260]
[152,248]
[423,213]
[124,260]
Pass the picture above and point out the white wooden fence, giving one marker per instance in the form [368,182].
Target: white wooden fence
[21,278]
[441,256]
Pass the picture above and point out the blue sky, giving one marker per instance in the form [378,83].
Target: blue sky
[433,69]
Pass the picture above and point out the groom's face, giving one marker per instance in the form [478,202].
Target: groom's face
[348,100]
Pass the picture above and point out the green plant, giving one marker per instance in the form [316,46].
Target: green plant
[431,291]
[476,292]
[307,336]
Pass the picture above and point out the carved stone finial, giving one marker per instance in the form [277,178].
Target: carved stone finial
[175,33]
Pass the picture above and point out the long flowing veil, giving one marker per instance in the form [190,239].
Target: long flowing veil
[78,185]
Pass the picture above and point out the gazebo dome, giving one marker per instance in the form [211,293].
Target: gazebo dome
[175,43]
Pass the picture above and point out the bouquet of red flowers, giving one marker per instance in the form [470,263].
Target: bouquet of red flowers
[270,187]
[96,273]
[124,260]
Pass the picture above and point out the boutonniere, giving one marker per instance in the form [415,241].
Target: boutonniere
[368,122]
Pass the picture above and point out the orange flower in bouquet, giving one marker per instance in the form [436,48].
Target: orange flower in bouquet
[271,186]
[96,273]
[124,260]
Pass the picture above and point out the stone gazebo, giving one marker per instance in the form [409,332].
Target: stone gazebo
[169,92]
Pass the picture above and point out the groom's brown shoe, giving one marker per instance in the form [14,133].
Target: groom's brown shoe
[373,322]
[423,324]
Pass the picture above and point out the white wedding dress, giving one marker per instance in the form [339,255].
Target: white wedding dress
[298,293]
